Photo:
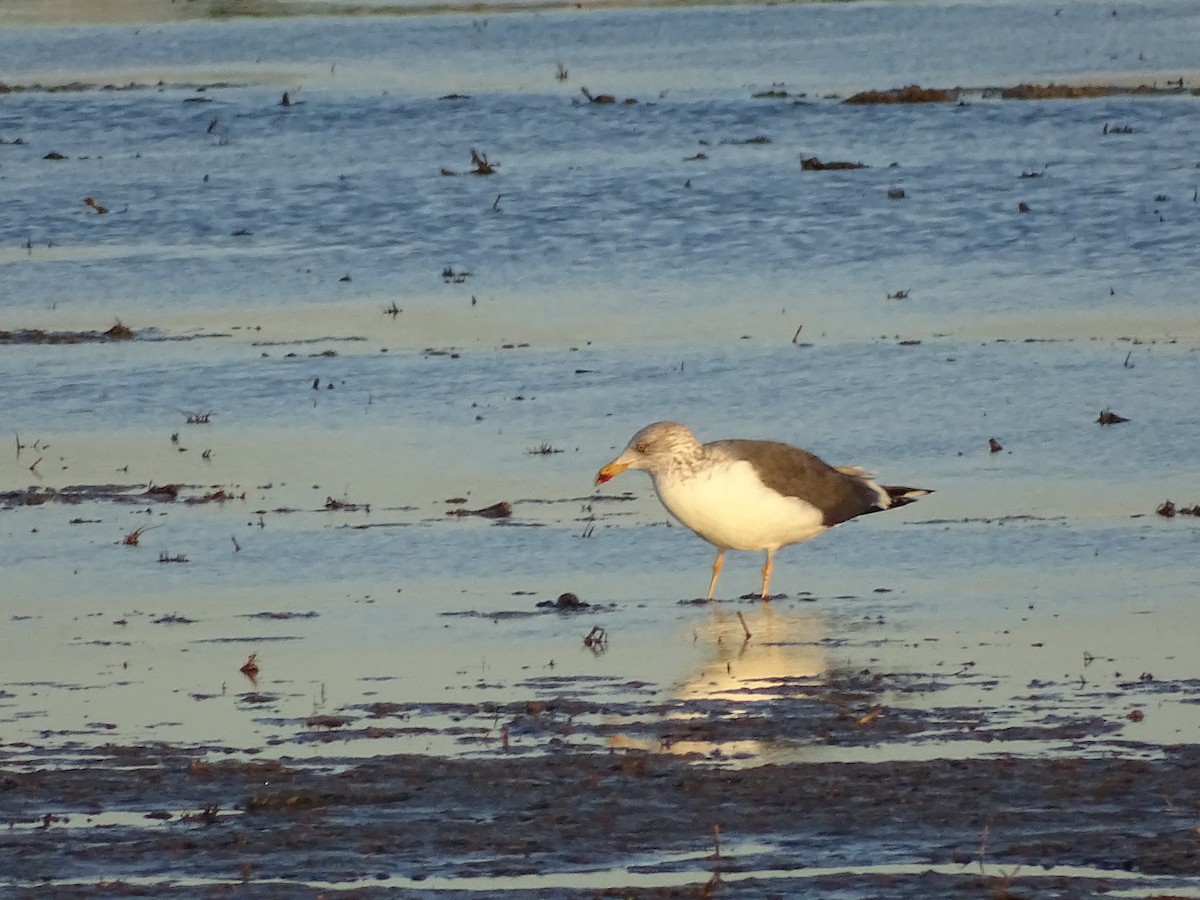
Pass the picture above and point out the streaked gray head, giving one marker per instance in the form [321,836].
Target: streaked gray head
[656,449]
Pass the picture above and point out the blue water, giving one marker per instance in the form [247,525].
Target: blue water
[598,207]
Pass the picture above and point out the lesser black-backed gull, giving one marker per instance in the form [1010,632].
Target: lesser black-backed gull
[750,495]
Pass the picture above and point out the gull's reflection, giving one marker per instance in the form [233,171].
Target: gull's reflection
[746,659]
[748,650]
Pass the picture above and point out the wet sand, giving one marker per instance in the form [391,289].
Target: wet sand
[1012,827]
[254,640]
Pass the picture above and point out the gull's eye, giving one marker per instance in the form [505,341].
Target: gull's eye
[641,447]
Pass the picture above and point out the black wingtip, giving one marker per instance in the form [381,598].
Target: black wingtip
[902,496]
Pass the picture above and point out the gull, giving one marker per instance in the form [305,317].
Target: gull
[748,494]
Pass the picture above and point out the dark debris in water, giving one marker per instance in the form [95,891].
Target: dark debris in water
[564,603]
[173,619]
[812,164]
[987,520]
[78,87]
[567,602]
[914,93]
[220,495]
[1054,91]
[501,510]
[1168,510]
[335,505]
[111,493]
[255,698]
[605,99]
[249,639]
[118,332]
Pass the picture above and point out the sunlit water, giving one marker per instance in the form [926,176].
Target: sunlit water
[648,284]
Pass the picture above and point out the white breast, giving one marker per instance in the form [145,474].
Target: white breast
[727,505]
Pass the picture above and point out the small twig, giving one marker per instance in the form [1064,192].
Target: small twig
[131,539]
[482,166]
[33,468]
[742,619]
[796,336]
[716,841]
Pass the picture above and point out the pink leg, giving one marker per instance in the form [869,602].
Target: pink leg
[718,563]
[768,567]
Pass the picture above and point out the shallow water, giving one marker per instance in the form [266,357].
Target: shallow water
[1051,544]
[595,235]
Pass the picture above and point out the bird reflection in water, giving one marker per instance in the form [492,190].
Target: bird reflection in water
[736,672]
[781,646]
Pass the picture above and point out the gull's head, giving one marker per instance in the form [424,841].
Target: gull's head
[655,449]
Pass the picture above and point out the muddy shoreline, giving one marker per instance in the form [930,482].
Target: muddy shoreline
[634,795]
[388,824]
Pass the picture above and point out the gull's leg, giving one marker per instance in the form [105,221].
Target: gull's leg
[718,563]
[768,567]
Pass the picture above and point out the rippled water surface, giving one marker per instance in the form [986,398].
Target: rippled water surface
[600,212]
